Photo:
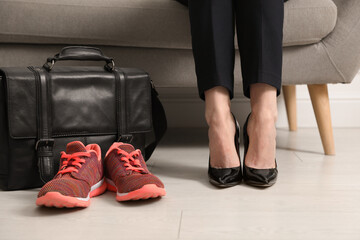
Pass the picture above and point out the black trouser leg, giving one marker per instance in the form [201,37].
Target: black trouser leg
[212,30]
[259,29]
[259,25]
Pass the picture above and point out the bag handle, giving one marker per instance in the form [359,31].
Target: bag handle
[80,53]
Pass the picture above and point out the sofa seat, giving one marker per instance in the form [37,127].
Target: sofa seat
[138,23]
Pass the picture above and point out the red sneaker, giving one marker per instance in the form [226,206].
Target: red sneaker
[81,176]
[127,175]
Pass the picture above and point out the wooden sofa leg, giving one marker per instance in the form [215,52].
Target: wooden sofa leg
[290,104]
[320,101]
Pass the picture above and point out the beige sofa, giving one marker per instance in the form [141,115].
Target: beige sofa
[321,42]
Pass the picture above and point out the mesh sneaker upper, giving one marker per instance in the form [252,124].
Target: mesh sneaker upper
[127,180]
[136,181]
[76,184]
[67,186]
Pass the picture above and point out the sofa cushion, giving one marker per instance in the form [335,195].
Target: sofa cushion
[137,23]
[308,21]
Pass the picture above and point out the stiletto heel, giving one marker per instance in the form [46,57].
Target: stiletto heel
[253,176]
[227,177]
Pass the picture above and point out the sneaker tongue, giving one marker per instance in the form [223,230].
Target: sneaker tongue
[74,147]
[127,147]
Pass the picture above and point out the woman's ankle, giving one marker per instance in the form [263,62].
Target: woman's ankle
[264,116]
[217,105]
[218,117]
[263,102]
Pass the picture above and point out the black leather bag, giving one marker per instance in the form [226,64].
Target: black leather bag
[44,108]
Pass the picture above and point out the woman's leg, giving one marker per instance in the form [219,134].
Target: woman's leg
[261,127]
[260,32]
[221,128]
[212,30]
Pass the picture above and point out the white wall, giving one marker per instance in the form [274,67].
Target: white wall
[185,109]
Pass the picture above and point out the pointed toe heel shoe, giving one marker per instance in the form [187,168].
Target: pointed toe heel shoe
[253,176]
[227,177]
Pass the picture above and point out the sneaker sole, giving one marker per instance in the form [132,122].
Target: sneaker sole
[56,199]
[146,192]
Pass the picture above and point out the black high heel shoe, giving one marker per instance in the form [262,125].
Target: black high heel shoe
[227,177]
[253,176]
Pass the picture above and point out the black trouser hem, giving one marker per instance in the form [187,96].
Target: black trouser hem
[203,88]
[262,77]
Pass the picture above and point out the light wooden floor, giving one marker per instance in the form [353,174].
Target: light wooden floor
[316,197]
